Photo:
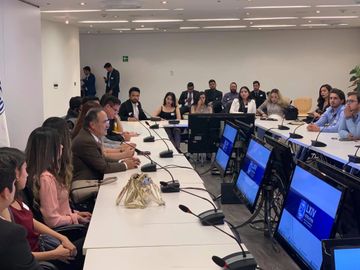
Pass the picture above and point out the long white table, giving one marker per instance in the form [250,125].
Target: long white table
[115,231]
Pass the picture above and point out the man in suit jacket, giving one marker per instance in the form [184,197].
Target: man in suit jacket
[258,95]
[187,98]
[112,80]
[213,97]
[88,159]
[131,109]
[89,82]
[15,252]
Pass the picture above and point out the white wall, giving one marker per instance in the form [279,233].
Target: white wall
[20,69]
[297,62]
[61,65]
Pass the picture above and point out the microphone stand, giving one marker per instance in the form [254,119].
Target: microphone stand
[294,135]
[149,138]
[281,126]
[167,153]
[236,261]
[154,119]
[317,143]
[354,158]
[149,167]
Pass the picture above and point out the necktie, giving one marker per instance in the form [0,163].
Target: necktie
[136,111]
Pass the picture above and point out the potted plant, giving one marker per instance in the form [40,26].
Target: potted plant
[355,78]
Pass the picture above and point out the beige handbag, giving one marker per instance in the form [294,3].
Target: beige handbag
[139,192]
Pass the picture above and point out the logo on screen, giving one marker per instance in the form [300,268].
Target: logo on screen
[252,169]
[301,210]
[306,214]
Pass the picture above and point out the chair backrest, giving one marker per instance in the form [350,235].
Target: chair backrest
[303,104]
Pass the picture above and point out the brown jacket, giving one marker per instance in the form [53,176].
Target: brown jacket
[88,160]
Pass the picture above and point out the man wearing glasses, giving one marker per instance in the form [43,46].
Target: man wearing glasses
[349,128]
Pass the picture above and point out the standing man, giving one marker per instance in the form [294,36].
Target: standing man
[349,128]
[89,82]
[230,96]
[112,80]
[187,98]
[131,109]
[258,95]
[213,97]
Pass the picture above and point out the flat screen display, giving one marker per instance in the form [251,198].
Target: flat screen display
[252,172]
[226,146]
[309,215]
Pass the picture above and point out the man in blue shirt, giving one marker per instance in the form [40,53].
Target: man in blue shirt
[329,120]
[230,96]
[349,128]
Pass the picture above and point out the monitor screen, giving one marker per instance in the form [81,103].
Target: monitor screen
[347,258]
[226,146]
[309,215]
[252,172]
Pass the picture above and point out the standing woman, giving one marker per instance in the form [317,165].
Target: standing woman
[169,110]
[274,104]
[200,105]
[51,192]
[243,104]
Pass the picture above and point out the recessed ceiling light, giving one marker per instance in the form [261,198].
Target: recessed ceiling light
[142,25]
[273,25]
[314,24]
[225,27]
[67,21]
[115,21]
[155,21]
[260,28]
[136,9]
[164,30]
[116,16]
[164,2]
[144,29]
[270,18]
[309,21]
[331,17]
[178,9]
[70,11]
[318,11]
[213,20]
[90,25]
[337,6]
[247,13]
[88,32]
[251,22]
[121,29]
[82,4]
[189,27]
[343,24]
[275,7]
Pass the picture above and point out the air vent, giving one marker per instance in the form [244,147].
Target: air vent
[109,4]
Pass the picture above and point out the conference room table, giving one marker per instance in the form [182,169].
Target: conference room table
[157,236]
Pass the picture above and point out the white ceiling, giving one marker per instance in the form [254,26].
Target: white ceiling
[201,9]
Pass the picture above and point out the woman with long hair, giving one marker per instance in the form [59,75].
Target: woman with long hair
[51,192]
[199,105]
[274,104]
[169,110]
[243,104]
[323,101]
[45,243]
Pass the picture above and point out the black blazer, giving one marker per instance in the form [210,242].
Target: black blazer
[89,84]
[126,111]
[184,94]
[15,252]
[259,98]
[114,81]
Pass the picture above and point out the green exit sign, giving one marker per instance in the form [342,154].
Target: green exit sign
[125,58]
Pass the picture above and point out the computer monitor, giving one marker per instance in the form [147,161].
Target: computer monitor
[226,146]
[253,171]
[309,215]
[282,162]
[245,130]
[341,254]
[349,220]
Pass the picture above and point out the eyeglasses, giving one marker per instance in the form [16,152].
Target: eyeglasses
[350,101]
[115,110]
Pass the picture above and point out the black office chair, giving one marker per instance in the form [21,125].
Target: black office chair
[71,231]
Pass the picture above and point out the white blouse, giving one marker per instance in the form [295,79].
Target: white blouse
[251,106]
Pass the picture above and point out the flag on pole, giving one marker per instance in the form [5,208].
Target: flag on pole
[4,134]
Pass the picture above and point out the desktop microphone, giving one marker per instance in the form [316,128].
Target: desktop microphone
[317,143]
[154,119]
[149,138]
[294,135]
[167,153]
[354,158]
[281,126]
[236,261]
[210,217]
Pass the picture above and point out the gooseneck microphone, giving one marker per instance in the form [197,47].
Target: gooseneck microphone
[149,138]
[153,119]
[236,261]
[294,135]
[167,153]
[354,158]
[281,126]
[317,143]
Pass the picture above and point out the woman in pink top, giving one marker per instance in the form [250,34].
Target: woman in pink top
[51,192]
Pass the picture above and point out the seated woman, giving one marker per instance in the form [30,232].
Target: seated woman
[274,104]
[199,105]
[243,104]
[169,110]
[323,101]
[45,243]
[51,192]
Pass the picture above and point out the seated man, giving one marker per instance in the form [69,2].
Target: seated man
[73,111]
[187,98]
[258,95]
[213,97]
[230,96]
[131,109]
[15,252]
[88,159]
[349,128]
[329,120]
